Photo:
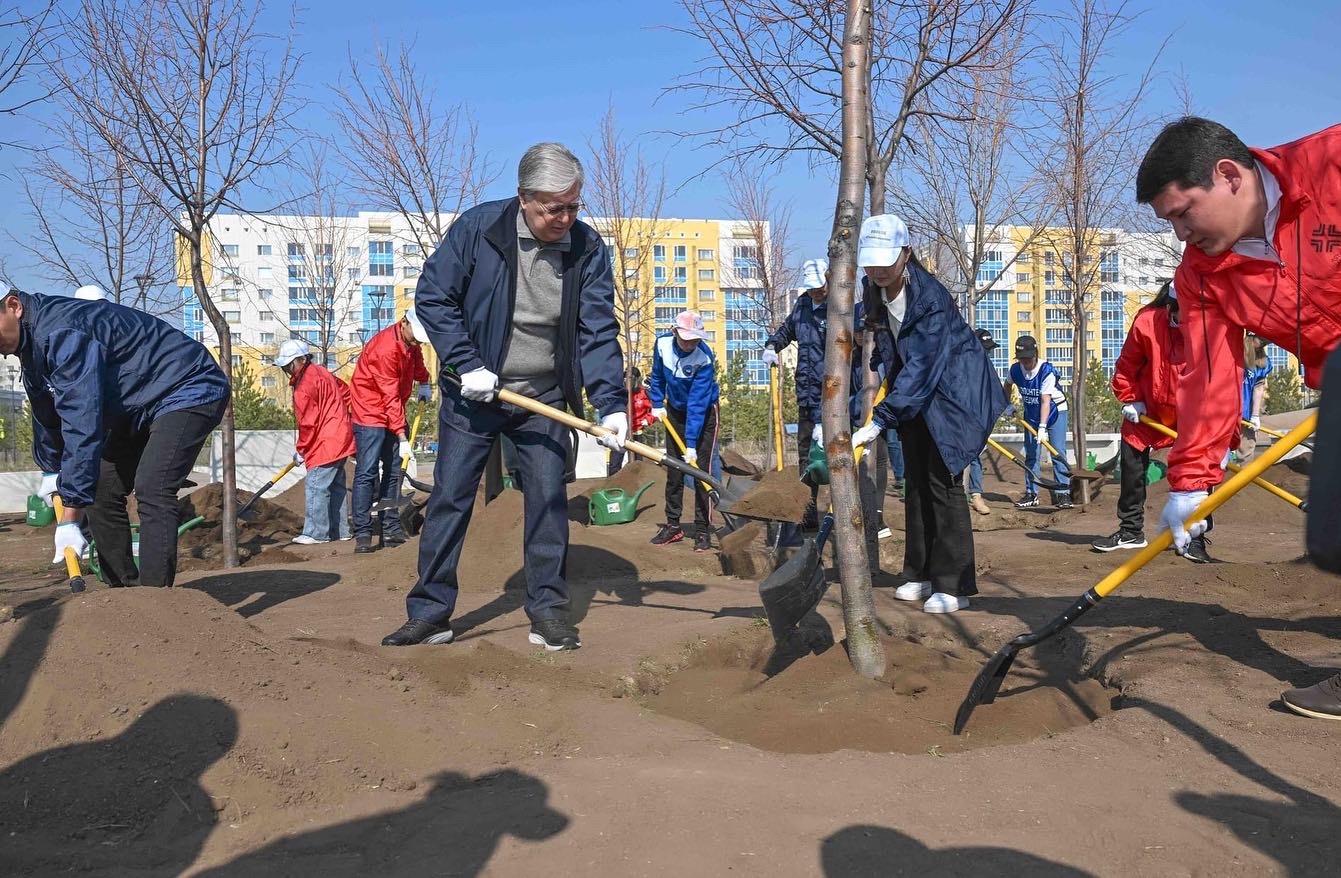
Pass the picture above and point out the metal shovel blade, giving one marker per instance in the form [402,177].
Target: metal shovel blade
[796,587]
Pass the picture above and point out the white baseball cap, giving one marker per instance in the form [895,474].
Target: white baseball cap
[882,237]
[291,350]
[813,273]
[416,326]
[91,293]
[689,324]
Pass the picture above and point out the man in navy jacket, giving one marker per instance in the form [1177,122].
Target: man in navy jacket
[518,295]
[120,401]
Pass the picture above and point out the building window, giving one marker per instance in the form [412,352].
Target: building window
[297,273]
[377,269]
[263,272]
[267,317]
[230,249]
[1058,315]
[1021,277]
[236,337]
[268,381]
[410,271]
[712,335]
[296,250]
[630,253]
[409,249]
[232,316]
[1024,297]
[706,274]
[630,274]
[1024,257]
[1049,258]
[381,259]
[1049,277]
[707,295]
[1059,354]
[228,294]
[659,274]
[708,316]
[681,253]
[704,255]
[382,314]
[659,252]
[354,338]
[267,338]
[265,294]
[1022,316]
[681,274]
[264,250]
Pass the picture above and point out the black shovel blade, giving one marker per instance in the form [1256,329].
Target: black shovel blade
[987,684]
[793,590]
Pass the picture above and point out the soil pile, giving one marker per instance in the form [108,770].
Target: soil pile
[744,554]
[260,536]
[630,478]
[737,464]
[776,495]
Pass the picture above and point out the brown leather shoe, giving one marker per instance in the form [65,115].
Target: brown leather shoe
[979,505]
[1322,701]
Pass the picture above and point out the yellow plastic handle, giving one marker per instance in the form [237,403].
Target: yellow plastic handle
[1234,467]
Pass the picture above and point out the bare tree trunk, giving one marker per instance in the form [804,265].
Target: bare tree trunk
[229,461]
[863,641]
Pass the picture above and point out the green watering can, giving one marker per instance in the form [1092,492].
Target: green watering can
[614,505]
[817,466]
[91,554]
[39,513]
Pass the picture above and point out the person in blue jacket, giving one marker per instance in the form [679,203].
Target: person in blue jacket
[1045,411]
[518,295]
[683,390]
[120,401]
[943,396]
[1256,370]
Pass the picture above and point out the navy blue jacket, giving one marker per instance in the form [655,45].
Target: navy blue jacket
[805,325]
[468,292]
[94,369]
[937,370]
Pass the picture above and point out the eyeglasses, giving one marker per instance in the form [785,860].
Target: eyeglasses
[561,209]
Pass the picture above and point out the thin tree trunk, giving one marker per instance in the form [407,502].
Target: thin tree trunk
[229,461]
[863,642]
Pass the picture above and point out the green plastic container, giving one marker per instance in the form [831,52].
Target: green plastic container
[39,513]
[1155,472]
[91,555]
[817,465]
[614,506]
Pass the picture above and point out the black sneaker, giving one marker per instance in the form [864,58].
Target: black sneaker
[390,540]
[1028,501]
[1064,502]
[1196,551]
[554,635]
[669,533]
[418,631]
[1119,540]
[363,545]
[703,542]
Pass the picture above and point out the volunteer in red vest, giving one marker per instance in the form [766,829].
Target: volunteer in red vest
[325,442]
[384,378]
[1263,235]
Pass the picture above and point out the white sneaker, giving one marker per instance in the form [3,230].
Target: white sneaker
[884,533]
[912,591]
[305,540]
[941,602]
[346,539]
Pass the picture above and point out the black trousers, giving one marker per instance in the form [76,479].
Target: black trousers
[804,429]
[153,463]
[1131,499]
[706,446]
[938,538]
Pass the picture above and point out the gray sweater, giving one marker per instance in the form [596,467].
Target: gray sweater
[530,368]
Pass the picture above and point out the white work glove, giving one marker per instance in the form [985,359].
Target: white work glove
[1177,509]
[480,385]
[1256,421]
[618,424]
[770,357]
[867,434]
[817,434]
[1010,411]
[68,534]
[691,456]
[425,392]
[48,487]
[659,414]
[1132,411]
[406,450]
[297,459]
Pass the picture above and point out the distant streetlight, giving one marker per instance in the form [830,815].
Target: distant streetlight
[143,281]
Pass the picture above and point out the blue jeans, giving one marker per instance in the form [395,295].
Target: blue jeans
[467,432]
[975,475]
[375,450]
[327,496]
[1060,471]
[895,453]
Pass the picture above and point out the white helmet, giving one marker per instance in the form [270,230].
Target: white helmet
[91,293]
[291,350]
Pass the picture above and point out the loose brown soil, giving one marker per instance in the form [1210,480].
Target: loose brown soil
[775,495]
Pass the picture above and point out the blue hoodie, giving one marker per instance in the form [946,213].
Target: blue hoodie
[684,382]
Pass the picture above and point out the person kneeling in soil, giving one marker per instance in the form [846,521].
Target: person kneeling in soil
[683,390]
[1045,411]
[325,442]
[519,295]
[1262,255]
[943,396]
[121,401]
[1145,381]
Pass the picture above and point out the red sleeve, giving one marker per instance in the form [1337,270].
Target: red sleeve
[307,412]
[1209,386]
[1132,359]
[417,361]
[386,374]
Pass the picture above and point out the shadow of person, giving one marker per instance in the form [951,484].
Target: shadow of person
[132,801]
[864,850]
[24,652]
[252,592]
[454,830]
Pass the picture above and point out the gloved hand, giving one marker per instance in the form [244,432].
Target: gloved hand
[1010,411]
[480,385]
[867,434]
[1177,508]
[817,434]
[619,424]
[691,456]
[406,450]
[1256,421]
[770,357]
[1132,411]
[297,459]
[425,392]
[659,414]
[68,534]
[48,487]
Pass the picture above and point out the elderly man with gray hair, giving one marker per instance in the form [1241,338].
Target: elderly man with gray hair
[519,295]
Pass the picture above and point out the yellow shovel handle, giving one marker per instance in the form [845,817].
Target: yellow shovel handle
[72,568]
[1040,437]
[414,431]
[679,443]
[1234,467]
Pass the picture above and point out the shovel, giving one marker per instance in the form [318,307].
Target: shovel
[790,592]
[1085,476]
[1050,484]
[72,569]
[1274,433]
[775,414]
[988,682]
[246,507]
[1234,467]
[728,521]
[400,499]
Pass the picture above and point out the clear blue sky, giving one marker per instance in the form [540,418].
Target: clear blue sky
[535,70]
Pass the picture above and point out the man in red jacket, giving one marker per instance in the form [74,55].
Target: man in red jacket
[325,441]
[387,370]
[1263,235]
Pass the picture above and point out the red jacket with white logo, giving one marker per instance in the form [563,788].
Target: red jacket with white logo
[1147,371]
[1293,302]
[321,406]
[384,378]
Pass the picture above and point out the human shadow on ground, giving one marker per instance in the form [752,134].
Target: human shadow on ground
[864,850]
[1219,630]
[24,653]
[453,830]
[1300,834]
[1052,536]
[131,802]
[252,592]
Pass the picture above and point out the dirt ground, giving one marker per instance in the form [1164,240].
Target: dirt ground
[248,722]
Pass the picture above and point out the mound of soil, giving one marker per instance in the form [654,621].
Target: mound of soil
[737,464]
[632,477]
[744,553]
[261,535]
[776,495]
